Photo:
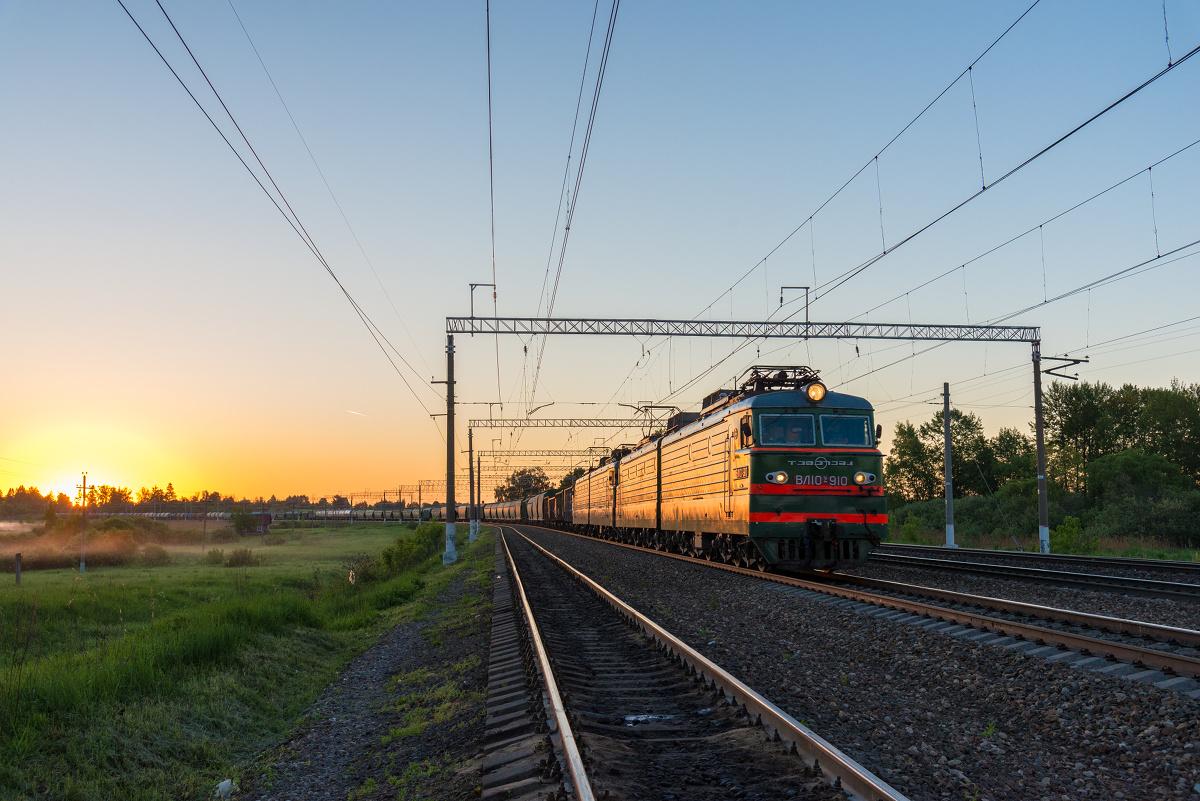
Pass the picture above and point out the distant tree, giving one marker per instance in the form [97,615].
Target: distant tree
[169,495]
[1134,472]
[1014,457]
[523,483]
[569,479]
[910,470]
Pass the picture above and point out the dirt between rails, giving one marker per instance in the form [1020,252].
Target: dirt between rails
[403,720]
[646,730]
[934,716]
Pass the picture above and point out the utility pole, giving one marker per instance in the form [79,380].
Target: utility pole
[479,489]
[83,529]
[949,468]
[451,555]
[204,525]
[1043,501]
[471,481]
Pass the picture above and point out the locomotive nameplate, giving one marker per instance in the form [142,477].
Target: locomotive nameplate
[821,463]
[823,481]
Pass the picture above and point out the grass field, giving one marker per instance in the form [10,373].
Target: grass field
[157,682]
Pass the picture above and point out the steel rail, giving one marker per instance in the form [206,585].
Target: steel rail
[1138,656]
[1123,562]
[583,788]
[1149,588]
[857,781]
[1133,628]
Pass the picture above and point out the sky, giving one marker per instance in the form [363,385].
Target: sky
[163,323]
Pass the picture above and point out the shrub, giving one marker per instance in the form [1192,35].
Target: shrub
[242,557]
[154,555]
[223,536]
[244,522]
[398,591]
[410,550]
[274,539]
[213,556]
[364,568]
[1071,537]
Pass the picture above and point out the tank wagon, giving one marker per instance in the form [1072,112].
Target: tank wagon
[778,473]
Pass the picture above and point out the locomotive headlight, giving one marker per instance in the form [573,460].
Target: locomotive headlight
[816,391]
[864,478]
[777,478]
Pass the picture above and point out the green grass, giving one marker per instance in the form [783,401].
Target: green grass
[153,683]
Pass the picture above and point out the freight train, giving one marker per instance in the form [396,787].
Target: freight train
[778,473]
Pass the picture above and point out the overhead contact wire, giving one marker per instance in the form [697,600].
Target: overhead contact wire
[294,224]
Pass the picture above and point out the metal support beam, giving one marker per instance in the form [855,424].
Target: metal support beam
[644,327]
[537,326]
[596,450]
[570,422]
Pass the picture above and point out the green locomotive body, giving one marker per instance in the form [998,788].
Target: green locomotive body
[777,474]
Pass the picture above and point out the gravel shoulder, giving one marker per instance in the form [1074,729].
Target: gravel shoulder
[1113,568]
[932,715]
[405,719]
[1150,610]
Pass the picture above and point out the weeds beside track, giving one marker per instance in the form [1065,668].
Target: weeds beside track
[148,683]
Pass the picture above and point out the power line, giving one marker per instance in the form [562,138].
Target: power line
[571,206]
[839,280]
[328,188]
[872,160]
[292,220]
[487,7]
[38,464]
[1027,232]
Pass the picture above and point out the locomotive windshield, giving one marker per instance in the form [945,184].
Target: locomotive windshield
[854,432]
[786,429]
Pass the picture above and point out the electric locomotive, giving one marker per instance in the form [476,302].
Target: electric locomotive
[777,473]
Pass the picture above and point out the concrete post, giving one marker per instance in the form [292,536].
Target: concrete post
[471,480]
[949,468]
[1043,500]
[451,554]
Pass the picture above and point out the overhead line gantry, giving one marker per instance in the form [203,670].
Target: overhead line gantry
[739,329]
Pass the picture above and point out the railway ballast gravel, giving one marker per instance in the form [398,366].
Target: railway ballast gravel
[646,729]
[936,717]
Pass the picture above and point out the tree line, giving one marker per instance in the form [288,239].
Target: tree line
[1120,462]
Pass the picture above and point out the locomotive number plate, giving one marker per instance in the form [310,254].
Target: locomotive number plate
[741,472]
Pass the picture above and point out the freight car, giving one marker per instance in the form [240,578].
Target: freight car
[778,473]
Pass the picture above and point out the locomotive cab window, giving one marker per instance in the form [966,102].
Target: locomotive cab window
[746,432]
[851,431]
[786,429]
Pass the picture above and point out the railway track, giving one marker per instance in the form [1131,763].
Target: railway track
[638,714]
[1149,588]
[1170,661]
[1185,569]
